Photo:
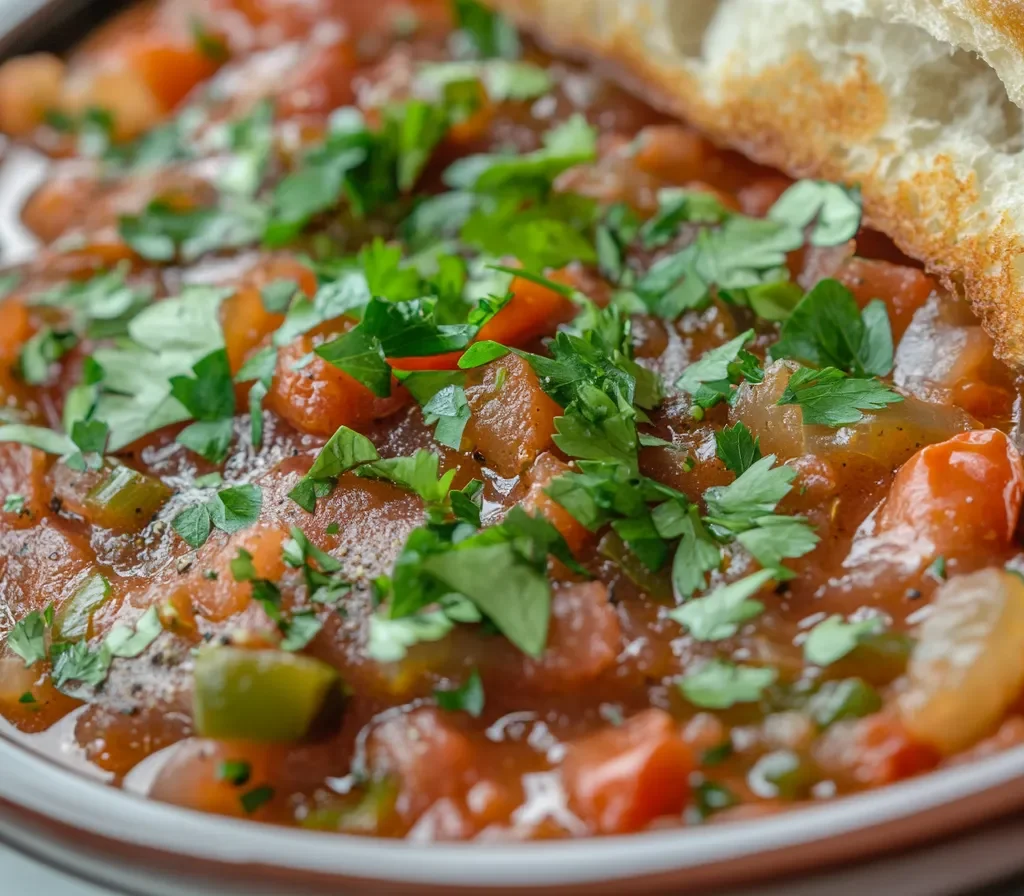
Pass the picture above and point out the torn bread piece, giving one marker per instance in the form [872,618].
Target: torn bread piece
[917,101]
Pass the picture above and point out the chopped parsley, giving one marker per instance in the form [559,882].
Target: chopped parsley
[14,503]
[827,330]
[230,510]
[719,684]
[234,771]
[719,614]
[833,638]
[829,397]
[468,697]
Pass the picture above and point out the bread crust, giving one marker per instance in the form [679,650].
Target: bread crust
[911,99]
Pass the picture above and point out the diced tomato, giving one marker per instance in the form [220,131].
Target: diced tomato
[533,311]
[512,419]
[583,641]
[959,494]
[29,87]
[23,472]
[117,739]
[212,776]
[447,361]
[15,330]
[317,397]
[756,198]
[903,289]
[431,759]
[983,400]
[321,83]
[672,152]
[18,683]
[221,597]
[882,751]
[246,324]
[545,469]
[170,70]
[621,779]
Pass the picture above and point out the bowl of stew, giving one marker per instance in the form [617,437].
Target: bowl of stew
[410,437]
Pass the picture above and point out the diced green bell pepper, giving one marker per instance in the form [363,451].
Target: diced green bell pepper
[125,499]
[850,698]
[72,622]
[261,695]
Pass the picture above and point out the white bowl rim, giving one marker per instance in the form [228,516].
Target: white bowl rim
[31,782]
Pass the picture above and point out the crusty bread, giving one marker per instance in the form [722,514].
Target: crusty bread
[918,101]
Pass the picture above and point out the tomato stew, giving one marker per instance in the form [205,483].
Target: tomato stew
[405,433]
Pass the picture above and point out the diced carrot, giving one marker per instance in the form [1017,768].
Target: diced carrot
[317,397]
[621,779]
[903,289]
[533,311]
[512,419]
[170,70]
[546,468]
[23,472]
[584,639]
[962,493]
[213,776]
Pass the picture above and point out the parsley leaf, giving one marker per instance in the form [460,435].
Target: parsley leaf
[469,697]
[14,503]
[833,638]
[390,639]
[236,508]
[486,33]
[719,614]
[829,397]
[574,142]
[719,684]
[230,510]
[163,232]
[123,641]
[344,451]
[299,630]
[418,473]
[834,210]
[193,524]
[713,377]
[736,447]
[28,638]
[827,330]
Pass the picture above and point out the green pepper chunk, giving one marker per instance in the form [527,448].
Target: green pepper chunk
[362,813]
[781,775]
[261,695]
[850,698]
[72,622]
[125,499]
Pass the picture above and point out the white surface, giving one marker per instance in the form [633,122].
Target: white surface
[23,876]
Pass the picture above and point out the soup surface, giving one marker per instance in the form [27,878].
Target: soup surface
[406,433]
